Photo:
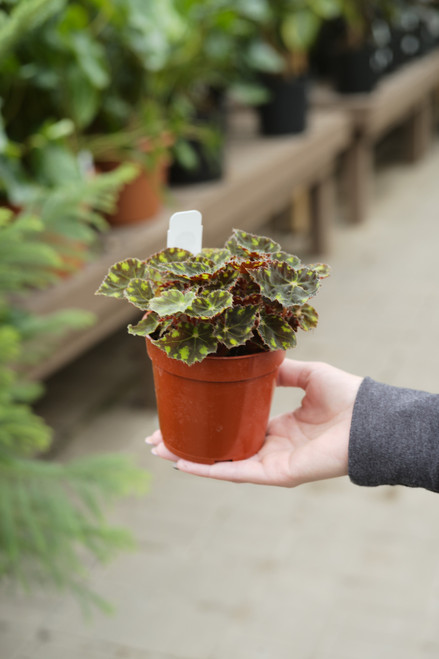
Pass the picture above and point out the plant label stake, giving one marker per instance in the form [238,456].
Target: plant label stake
[186,231]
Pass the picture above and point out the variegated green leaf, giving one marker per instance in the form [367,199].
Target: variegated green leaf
[321,269]
[188,342]
[307,317]
[225,277]
[171,302]
[235,326]
[197,268]
[146,326]
[169,255]
[119,276]
[216,255]
[276,333]
[208,304]
[242,243]
[168,285]
[139,292]
[281,282]
[284,257]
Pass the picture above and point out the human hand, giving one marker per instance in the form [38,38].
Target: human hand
[308,444]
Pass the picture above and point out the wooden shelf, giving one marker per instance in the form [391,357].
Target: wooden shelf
[405,97]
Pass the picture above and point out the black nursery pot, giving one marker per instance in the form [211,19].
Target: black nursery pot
[354,71]
[209,167]
[286,111]
[210,160]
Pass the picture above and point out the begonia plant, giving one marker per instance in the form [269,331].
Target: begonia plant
[250,296]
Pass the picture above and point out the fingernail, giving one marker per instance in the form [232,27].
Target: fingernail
[154,451]
[148,440]
[175,467]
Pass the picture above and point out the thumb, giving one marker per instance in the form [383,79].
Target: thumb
[293,373]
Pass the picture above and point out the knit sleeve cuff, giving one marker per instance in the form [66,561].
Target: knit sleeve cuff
[394,437]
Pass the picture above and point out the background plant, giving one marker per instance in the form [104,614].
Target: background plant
[248,297]
[289,29]
[361,16]
[75,79]
[51,514]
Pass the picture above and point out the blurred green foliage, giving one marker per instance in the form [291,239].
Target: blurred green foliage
[51,515]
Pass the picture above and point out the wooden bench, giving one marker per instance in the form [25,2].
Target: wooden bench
[261,177]
[404,97]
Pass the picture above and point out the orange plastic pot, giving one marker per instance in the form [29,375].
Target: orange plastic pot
[217,409]
[140,199]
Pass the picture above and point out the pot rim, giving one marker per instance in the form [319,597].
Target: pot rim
[227,369]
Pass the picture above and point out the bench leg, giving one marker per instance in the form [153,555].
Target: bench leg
[419,130]
[357,174]
[322,214]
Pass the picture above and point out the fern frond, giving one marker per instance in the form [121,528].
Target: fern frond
[51,513]
[76,209]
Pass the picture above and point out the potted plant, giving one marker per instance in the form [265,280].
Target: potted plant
[84,68]
[359,56]
[289,29]
[133,123]
[44,176]
[144,142]
[217,326]
[212,58]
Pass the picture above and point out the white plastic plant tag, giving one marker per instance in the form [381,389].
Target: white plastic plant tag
[186,231]
[85,162]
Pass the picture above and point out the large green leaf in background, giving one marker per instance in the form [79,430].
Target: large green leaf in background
[299,30]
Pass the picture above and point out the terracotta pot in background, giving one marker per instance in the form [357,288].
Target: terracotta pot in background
[217,409]
[141,199]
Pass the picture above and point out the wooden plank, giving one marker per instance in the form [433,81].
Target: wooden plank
[419,130]
[261,176]
[404,97]
[323,202]
[395,97]
[357,169]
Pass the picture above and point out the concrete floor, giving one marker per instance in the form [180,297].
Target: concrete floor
[325,571]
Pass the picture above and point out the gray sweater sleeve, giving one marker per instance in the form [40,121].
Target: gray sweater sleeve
[394,438]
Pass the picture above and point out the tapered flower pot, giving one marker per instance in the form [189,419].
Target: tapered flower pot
[355,72]
[216,409]
[141,199]
[285,113]
[210,163]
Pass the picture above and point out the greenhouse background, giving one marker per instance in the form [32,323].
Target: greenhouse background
[312,123]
